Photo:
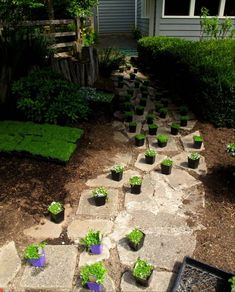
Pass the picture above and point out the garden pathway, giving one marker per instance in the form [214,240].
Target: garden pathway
[166,211]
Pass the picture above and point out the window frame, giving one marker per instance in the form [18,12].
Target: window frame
[145,9]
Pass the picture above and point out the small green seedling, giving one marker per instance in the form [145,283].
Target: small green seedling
[167,162]
[55,208]
[194,156]
[153,126]
[100,192]
[162,138]
[232,281]
[151,116]
[135,180]
[142,269]
[175,126]
[140,137]
[92,238]
[135,236]
[133,124]
[184,118]
[197,138]
[118,168]
[150,153]
[93,273]
[128,114]
[34,251]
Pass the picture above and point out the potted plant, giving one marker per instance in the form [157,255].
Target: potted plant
[56,211]
[153,129]
[166,166]
[150,155]
[117,172]
[142,272]
[163,112]
[132,127]
[128,116]
[150,118]
[175,128]
[130,91]
[128,66]
[35,254]
[162,140]
[135,70]
[135,182]
[120,84]
[137,84]
[184,121]
[143,88]
[146,82]
[139,140]
[92,242]
[165,102]
[120,78]
[128,106]
[158,106]
[232,281]
[183,110]
[197,141]
[143,101]
[127,97]
[136,239]
[139,110]
[93,276]
[100,195]
[193,160]
[132,76]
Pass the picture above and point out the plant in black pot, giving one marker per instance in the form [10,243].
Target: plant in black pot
[128,116]
[158,106]
[139,140]
[175,129]
[128,106]
[163,112]
[183,110]
[137,84]
[135,182]
[166,166]
[120,78]
[197,141]
[117,172]
[153,129]
[92,242]
[150,118]
[150,155]
[135,239]
[142,272]
[162,140]
[139,110]
[146,82]
[132,76]
[56,211]
[100,195]
[127,97]
[184,121]
[165,102]
[132,127]
[193,160]
[143,101]
[130,91]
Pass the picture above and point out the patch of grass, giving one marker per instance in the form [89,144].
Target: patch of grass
[42,140]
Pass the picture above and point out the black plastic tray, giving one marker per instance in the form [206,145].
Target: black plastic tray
[195,276]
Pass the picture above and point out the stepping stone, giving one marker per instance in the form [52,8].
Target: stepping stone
[122,158]
[188,142]
[79,228]
[161,282]
[87,205]
[171,145]
[58,273]
[10,264]
[190,125]
[142,165]
[87,259]
[179,179]
[194,200]
[163,251]
[105,180]
[109,286]
[120,137]
[176,115]
[118,125]
[181,160]
[138,130]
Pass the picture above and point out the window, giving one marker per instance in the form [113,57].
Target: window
[211,5]
[145,8]
[176,7]
[229,8]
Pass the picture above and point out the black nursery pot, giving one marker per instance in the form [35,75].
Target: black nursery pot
[100,201]
[136,189]
[139,142]
[145,94]
[174,131]
[183,123]
[162,144]
[132,77]
[143,102]
[135,70]
[150,121]
[152,131]
[150,159]
[129,119]
[166,169]
[144,282]
[120,84]
[193,163]
[57,218]
[138,246]
[117,176]
[132,129]
[139,112]
[197,144]
[163,115]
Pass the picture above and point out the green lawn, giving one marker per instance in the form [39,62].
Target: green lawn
[41,140]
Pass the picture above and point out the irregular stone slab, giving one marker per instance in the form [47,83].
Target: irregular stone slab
[105,180]
[87,259]
[194,200]
[10,263]
[122,158]
[179,179]
[171,145]
[79,228]
[163,251]
[109,286]
[58,272]
[142,165]
[181,160]
[87,205]
[176,115]
[120,137]
[188,142]
[118,125]
[161,282]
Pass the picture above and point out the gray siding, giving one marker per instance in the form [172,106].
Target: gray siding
[116,16]
[142,23]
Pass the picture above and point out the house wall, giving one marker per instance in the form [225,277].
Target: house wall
[142,23]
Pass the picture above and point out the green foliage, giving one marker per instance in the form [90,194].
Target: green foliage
[93,273]
[142,269]
[197,138]
[55,208]
[82,8]
[47,141]
[232,281]
[231,149]
[92,238]
[153,126]
[135,180]
[162,138]
[118,168]
[34,251]
[136,33]
[132,124]
[100,192]
[184,118]
[89,36]
[151,116]
[135,236]
[45,97]
[163,110]
[194,156]
[140,136]
[167,162]
[150,153]
[110,59]
[175,126]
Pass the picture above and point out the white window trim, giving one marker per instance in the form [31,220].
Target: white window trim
[191,11]
[143,3]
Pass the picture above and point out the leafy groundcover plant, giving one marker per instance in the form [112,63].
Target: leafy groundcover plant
[135,181]
[167,162]
[93,273]
[150,153]
[117,172]
[194,156]
[232,281]
[92,238]
[55,208]
[197,138]
[135,239]
[140,136]
[162,138]
[100,192]
[118,168]
[142,271]
[34,251]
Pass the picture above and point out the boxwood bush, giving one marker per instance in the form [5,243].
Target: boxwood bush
[201,72]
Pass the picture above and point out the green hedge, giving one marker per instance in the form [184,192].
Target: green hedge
[203,73]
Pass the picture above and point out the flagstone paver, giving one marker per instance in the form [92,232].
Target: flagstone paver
[10,263]
[87,259]
[142,165]
[120,137]
[188,142]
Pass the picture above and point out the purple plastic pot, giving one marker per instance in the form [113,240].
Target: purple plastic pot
[94,286]
[96,249]
[38,262]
